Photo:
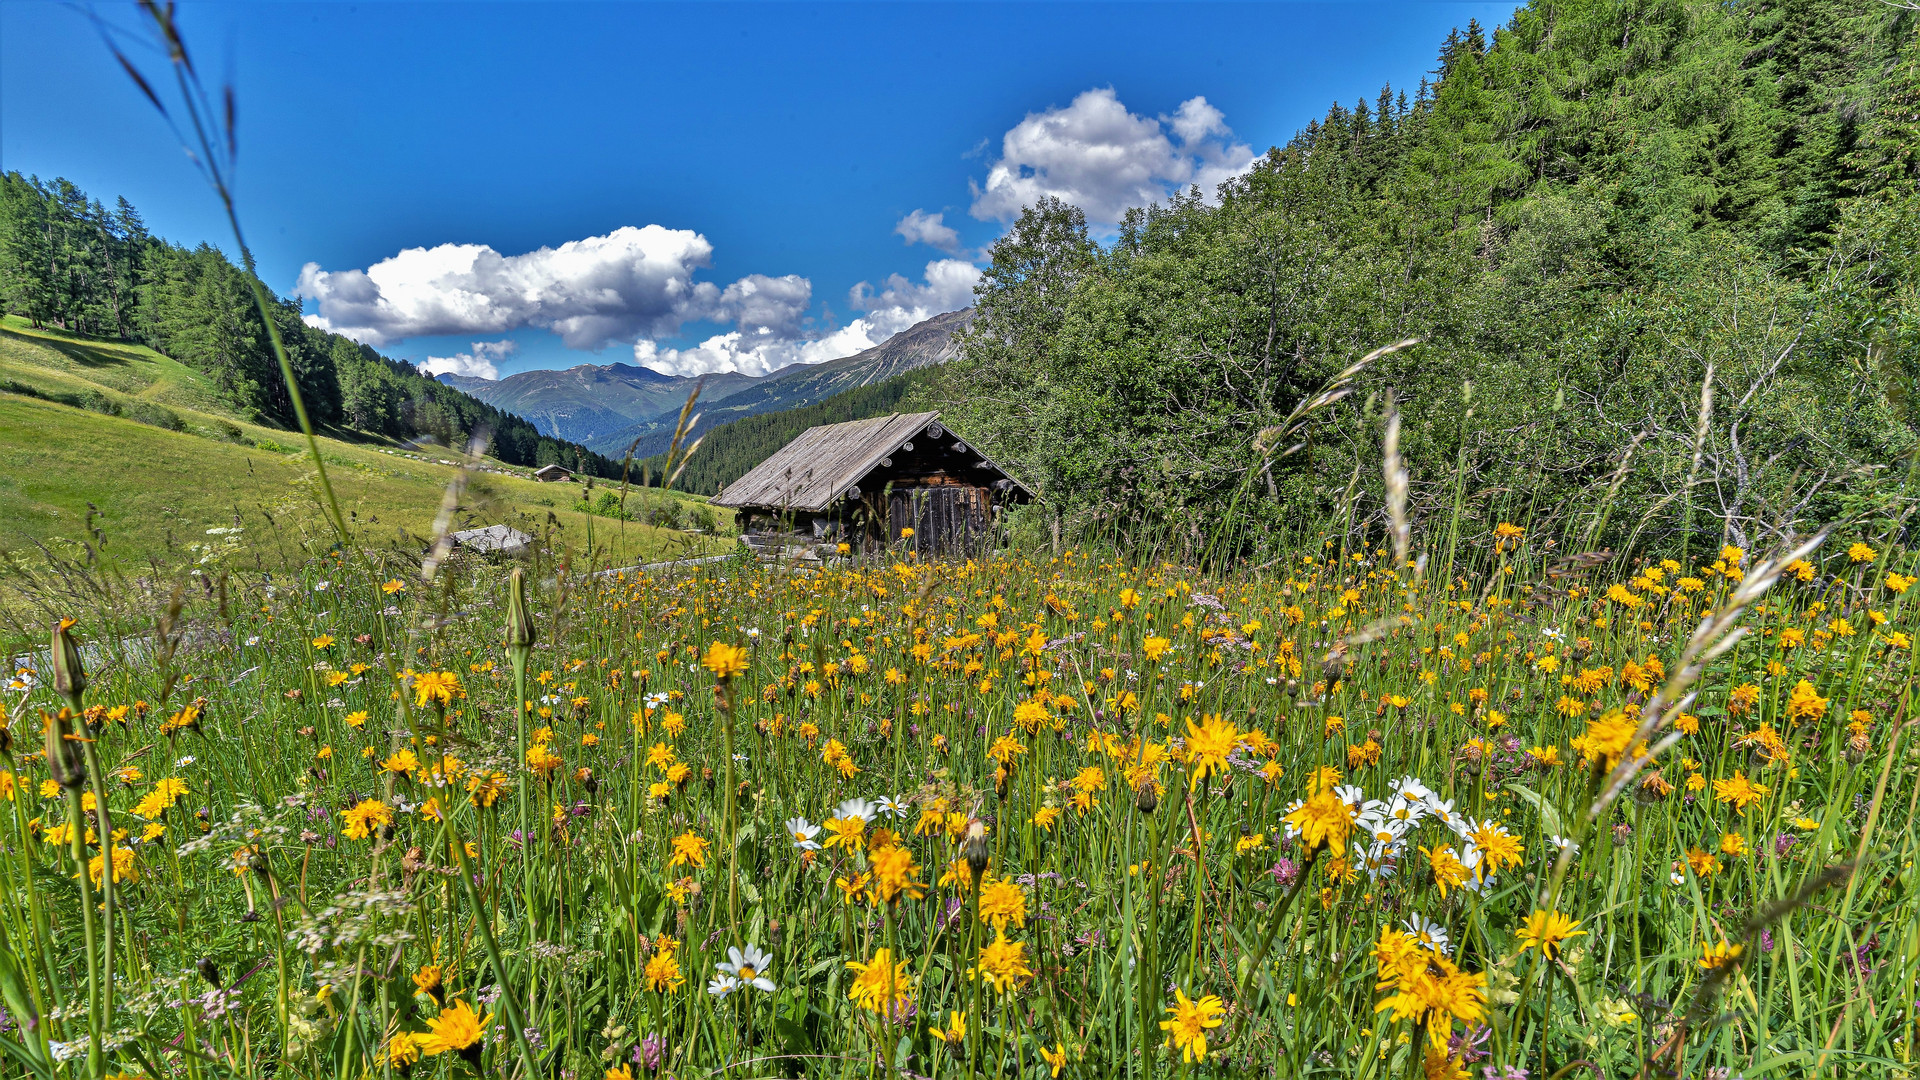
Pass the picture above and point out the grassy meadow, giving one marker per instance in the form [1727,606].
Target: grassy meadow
[1029,815]
[176,461]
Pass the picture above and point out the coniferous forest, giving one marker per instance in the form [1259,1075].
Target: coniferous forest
[68,261]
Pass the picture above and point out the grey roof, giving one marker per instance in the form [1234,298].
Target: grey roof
[818,467]
[501,538]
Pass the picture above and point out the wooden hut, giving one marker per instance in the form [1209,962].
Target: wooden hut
[552,474]
[865,482]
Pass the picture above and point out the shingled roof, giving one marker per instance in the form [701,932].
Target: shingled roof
[819,466]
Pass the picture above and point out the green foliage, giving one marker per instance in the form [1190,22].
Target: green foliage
[1580,219]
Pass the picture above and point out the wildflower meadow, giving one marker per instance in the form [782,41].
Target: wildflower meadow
[1026,814]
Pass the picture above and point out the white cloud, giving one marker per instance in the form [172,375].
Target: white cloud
[921,227]
[481,362]
[591,292]
[1097,155]
[946,285]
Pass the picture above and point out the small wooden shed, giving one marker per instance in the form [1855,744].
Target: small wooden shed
[866,481]
[552,474]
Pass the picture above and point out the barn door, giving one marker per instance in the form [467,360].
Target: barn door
[946,520]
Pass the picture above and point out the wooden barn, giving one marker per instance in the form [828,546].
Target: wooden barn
[865,481]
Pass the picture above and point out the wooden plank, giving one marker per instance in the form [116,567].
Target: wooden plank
[815,469]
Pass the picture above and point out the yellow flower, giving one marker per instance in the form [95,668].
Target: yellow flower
[1003,963]
[724,660]
[428,981]
[1716,956]
[402,1050]
[1860,553]
[458,1028]
[1899,583]
[1703,864]
[689,847]
[663,971]
[894,875]
[882,984]
[1437,993]
[1208,747]
[954,1033]
[1607,736]
[324,641]
[1055,1058]
[1002,902]
[1189,1021]
[1448,871]
[368,815]
[1805,703]
[1738,792]
[434,687]
[1546,930]
[1323,821]
[124,868]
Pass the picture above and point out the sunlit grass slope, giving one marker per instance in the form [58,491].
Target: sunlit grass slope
[62,450]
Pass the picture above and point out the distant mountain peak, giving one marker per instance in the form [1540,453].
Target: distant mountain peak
[609,405]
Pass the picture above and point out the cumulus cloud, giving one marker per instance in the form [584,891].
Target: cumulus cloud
[482,362]
[591,292]
[1099,156]
[945,285]
[921,227]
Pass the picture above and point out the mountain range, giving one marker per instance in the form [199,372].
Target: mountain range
[608,407]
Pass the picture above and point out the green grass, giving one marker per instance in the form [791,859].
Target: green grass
[57,360]
[157,490]
[1129,859]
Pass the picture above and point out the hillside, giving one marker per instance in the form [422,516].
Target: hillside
[151,444]
[589,402]
[921,345]
[69,263]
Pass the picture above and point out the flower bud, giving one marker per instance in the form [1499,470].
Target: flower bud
[64,758]
[520,632]
[974,848]
[1147,798]
[69,677]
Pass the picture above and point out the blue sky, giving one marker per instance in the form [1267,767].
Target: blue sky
[714,185]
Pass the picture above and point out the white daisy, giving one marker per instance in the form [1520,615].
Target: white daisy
[1410,789]
[853,808]
[747,967]
[802,832]
[1431,934]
